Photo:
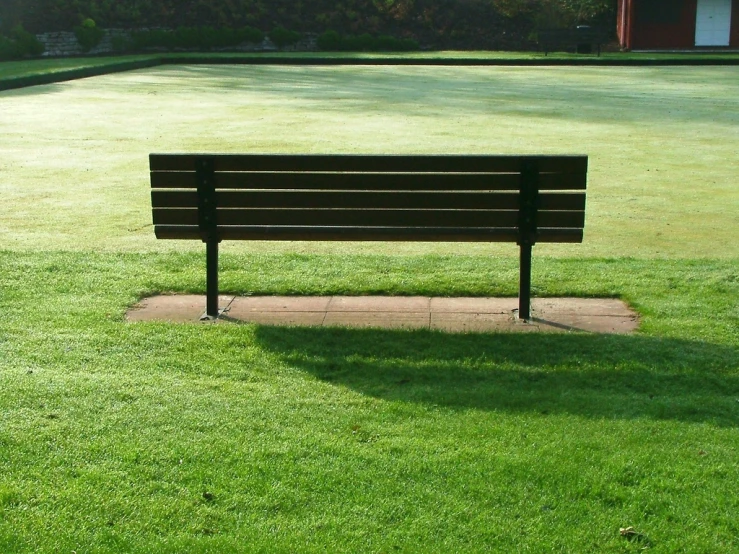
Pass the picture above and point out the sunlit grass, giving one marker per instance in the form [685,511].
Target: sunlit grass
[156,437]
[661,142]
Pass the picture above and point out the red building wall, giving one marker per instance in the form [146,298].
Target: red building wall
[680,34]
[637,30]
[622,23]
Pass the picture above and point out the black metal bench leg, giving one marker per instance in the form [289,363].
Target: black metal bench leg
[524,286]
[211,262]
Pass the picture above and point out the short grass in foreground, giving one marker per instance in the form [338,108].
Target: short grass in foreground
[119,437]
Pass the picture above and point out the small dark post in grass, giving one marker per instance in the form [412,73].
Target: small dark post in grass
[208,223]
[527,227]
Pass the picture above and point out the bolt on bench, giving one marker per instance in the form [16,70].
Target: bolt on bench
[457,198]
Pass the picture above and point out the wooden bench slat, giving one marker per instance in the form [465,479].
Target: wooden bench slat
[369,181]
[342,181]
[368,217]
[318,199]
[402,234]
[368,163]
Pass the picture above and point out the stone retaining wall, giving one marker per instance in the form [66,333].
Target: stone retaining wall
[64,43]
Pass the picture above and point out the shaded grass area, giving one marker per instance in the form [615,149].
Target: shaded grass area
[57,73]
[140,437]
[27,68]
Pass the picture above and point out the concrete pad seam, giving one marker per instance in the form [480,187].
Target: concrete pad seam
[325,312]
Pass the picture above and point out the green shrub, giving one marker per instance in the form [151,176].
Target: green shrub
[248,34]
[409,45]
[152,39]
[20,44]
[195,38]
[188,37]
[121,44]
[8,49]
[208,37]
[330,41]
[26,43]
[333,41]
[282,37]
[386,43]
[361,43]
[88,35]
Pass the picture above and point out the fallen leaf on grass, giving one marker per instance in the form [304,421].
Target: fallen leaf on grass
[633,535]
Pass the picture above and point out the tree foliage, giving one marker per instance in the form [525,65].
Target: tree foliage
[19,44]
[493,24]
[553,13]
[88,34]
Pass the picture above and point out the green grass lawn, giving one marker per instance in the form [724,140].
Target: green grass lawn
[661,142]
[154,437]
[24,68]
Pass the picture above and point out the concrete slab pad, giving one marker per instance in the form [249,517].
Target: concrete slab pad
[474,305]
[452,322]
[447,314]
[174,307]
[379,304]
[387,320]
[298,318]
[543,307]
[246,304]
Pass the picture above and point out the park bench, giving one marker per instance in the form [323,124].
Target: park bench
[476,198]
[582,40]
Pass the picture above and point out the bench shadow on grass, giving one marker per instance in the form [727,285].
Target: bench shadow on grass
[598,376]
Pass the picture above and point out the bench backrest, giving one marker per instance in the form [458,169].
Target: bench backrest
[524,199]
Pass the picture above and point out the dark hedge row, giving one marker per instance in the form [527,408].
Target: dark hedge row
[332,41]
[194,37]
[489,24]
